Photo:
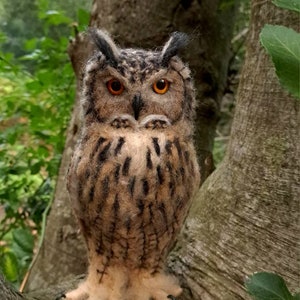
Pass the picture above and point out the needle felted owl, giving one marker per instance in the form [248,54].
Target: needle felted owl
[134,171]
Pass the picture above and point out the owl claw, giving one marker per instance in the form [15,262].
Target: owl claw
[171,297]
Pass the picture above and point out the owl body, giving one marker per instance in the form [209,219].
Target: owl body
[134,171]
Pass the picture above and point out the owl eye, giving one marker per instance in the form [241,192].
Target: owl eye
[115,87]
[161,86]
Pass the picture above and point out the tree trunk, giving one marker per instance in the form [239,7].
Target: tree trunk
[246,215]
[144,24]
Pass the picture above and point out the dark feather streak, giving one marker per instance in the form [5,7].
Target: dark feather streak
[104,47]
[177,41]
[156,145]
[121,142]
[126,166]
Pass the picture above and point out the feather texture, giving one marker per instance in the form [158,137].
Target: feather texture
[134,170]
[105,45]
[177,41]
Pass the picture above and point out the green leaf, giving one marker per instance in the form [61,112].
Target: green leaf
[9,266]
[56,18]
[34,86]
[24,239]
[288,4]
[35,168]
[283,45]
[18,170]
[31,45]
[46,77]
[267,286]
[296,297]
[34,55]
[83,18]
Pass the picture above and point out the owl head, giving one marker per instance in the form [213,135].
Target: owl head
[136,82]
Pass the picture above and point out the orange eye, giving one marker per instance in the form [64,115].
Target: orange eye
[115,87]
[161,86]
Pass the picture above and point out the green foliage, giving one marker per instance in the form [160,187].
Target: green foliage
[288,4]
[83,19]
[22,20]
[17,254]
[37,93]
[283,45]
[219,149]
[267,286]
[19,20]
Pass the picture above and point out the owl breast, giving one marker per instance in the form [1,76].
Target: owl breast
[131,190]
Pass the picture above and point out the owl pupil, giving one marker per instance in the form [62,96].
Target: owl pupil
[116,86]
[161,84]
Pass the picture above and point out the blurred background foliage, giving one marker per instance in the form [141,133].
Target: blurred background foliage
[37,87]
[36,95]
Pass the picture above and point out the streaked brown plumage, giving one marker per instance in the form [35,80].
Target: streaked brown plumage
[134,170]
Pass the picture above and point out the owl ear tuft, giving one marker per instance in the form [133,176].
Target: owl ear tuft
[105,45]
[177,41]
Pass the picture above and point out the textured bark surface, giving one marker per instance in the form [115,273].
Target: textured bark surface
[8,292]
[246,215]
[145,24]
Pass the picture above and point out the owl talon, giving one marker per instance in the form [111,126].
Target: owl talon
[171,297]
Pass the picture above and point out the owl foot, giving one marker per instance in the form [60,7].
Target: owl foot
[120,284]
[124,121]
[155,122]
[154,287]
[79,294]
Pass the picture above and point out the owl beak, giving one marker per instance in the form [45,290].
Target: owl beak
[137,105]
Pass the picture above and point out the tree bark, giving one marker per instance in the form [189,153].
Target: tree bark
[246,215]
[145,24]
